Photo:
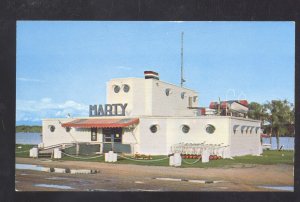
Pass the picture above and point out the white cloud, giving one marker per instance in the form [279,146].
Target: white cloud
[32,110]
[29,80]
[176,21]
[124,67]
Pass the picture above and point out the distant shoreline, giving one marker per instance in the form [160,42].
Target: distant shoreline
[28,129]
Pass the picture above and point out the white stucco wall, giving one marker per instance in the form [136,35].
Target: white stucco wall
[244,143]
[152,143]
[134,97]
[172,105]
[130,136]
[197,133]
[169,132]
[147,97]
[60,135]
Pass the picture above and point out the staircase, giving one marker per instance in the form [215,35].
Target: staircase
[46,152]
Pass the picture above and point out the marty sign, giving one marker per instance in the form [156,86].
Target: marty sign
[108,110]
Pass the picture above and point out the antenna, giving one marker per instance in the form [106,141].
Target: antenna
[181,77]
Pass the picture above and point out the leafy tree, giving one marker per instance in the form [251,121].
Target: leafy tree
[280,115]
[257,111]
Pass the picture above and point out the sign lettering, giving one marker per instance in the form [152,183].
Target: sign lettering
[108,110]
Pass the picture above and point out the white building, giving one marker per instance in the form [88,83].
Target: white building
[149,116]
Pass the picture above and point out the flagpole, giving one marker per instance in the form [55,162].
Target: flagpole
[181,79]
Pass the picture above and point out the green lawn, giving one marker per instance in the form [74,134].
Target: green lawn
[24,150]
[268,158]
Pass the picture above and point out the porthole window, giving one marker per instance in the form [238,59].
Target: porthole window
[68,129]
[126,88]
[168,90]
[185,128]
[117,89]
[153,128]
[210,129]
[52,128]
[182,95]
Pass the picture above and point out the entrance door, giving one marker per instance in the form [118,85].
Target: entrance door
[111,135]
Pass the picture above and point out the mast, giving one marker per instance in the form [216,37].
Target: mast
[181,77]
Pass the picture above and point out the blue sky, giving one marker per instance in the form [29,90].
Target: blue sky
[63,66]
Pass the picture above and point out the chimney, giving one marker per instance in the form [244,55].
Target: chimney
[151,75]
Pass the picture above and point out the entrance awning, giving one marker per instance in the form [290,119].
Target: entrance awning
[101,123]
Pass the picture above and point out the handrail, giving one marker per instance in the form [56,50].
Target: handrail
[57,145]
[69,143]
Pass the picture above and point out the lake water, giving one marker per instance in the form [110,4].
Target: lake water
[36,138]
[28,138]
[286,142]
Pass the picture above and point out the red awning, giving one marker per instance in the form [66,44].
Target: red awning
[101,123]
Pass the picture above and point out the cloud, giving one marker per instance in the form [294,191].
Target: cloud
[29,80]
[176,21]
[33,110]
[124,68]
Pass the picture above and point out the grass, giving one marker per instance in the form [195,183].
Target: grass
[269,157]
[23,151]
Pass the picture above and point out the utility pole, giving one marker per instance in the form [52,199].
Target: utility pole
[181,77]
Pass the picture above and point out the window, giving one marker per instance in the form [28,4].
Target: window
[52,128]
[195,98]
[117,89]
[68,129]
[153,128]
[190,102]
[126,88]
[182,95]
[185,128]
[168,90]
[93,134]
[210,129]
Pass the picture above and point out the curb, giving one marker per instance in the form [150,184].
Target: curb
[71,171]
[186,180]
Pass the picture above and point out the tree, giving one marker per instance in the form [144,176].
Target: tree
[257,111]
[280,115]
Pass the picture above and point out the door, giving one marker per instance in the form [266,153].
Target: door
[112,137]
